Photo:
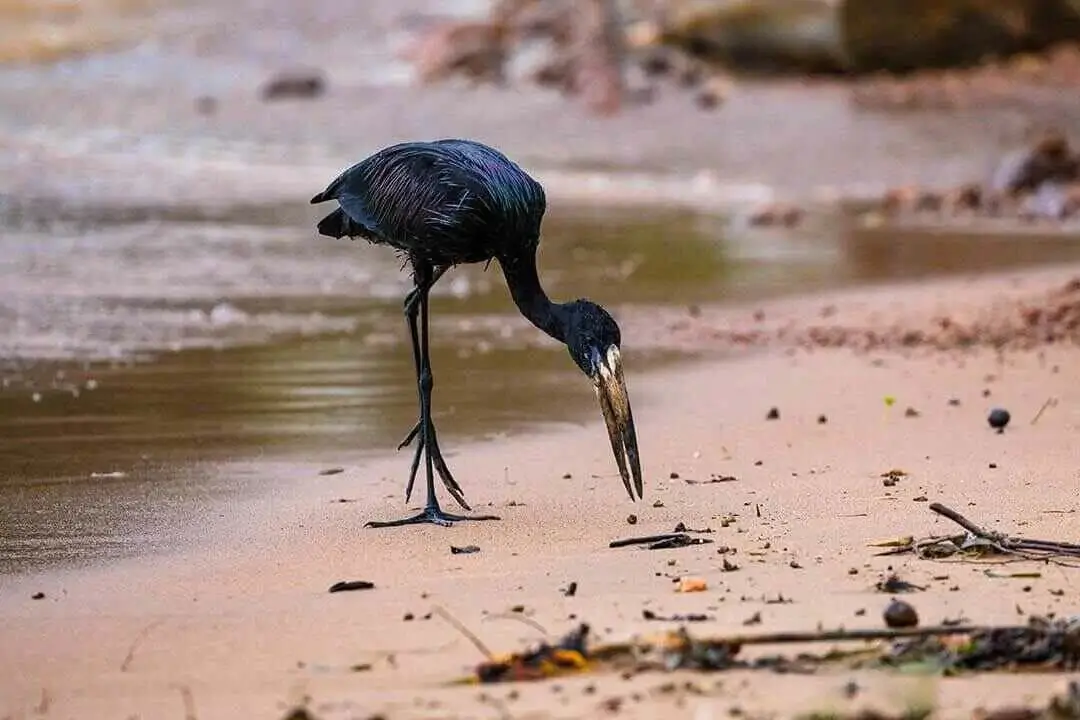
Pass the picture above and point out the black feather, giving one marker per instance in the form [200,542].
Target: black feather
[443,203]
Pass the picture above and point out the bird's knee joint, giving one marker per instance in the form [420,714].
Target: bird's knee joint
[427,380]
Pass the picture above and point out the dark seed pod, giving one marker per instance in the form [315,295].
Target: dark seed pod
[900,614]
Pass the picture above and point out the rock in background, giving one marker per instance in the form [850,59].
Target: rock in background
[612,53]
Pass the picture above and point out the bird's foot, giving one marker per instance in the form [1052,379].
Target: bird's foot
[432,514]
[413,434]
[447,478]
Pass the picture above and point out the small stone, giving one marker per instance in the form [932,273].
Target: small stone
[773,414]
[911,413]
[631,519]
[900,614]
[821,419]
[999,418]
[38,596]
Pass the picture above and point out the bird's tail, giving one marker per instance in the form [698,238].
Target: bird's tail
[334,225]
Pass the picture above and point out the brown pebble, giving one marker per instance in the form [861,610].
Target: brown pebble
[773,414]
[631,519]
[900,614]
[297,83]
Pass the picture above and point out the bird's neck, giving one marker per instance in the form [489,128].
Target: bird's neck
[530,298]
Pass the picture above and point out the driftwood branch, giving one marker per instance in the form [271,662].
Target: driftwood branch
[1019,547]
[841,635]
[964,522]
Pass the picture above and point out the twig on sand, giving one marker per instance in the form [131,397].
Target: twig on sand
[1041,644]
[842,635]
[521,619]
[965,523]
[460,627]
[663,541]
[979,539]
[1050,402]
[130,657]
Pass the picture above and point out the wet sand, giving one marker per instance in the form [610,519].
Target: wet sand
[245,623]
[230,339]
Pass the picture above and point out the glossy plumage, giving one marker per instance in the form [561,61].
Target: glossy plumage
[444,202]
[449,202]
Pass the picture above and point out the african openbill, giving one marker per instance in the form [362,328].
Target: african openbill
[448,202]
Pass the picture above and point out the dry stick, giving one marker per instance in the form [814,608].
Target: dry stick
[1049,401]
[126,664]
[1004,542]
[644,539]
[464,631]
[964,522]
[1037,550]
[521,619]
[867,634]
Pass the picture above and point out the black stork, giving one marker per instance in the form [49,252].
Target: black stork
[443,203]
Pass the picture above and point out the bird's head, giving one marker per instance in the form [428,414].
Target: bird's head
[593,338]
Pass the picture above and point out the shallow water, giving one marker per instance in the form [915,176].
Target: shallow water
[142,346]
[175,339]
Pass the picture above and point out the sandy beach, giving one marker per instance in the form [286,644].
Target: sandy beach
[162,231]
[242,624]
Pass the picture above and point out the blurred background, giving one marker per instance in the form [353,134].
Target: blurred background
[167,311]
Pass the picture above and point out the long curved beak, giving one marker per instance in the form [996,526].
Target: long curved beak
[615,404]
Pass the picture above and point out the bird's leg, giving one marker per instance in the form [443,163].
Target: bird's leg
[428,445]
[425,280]
[412,307]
